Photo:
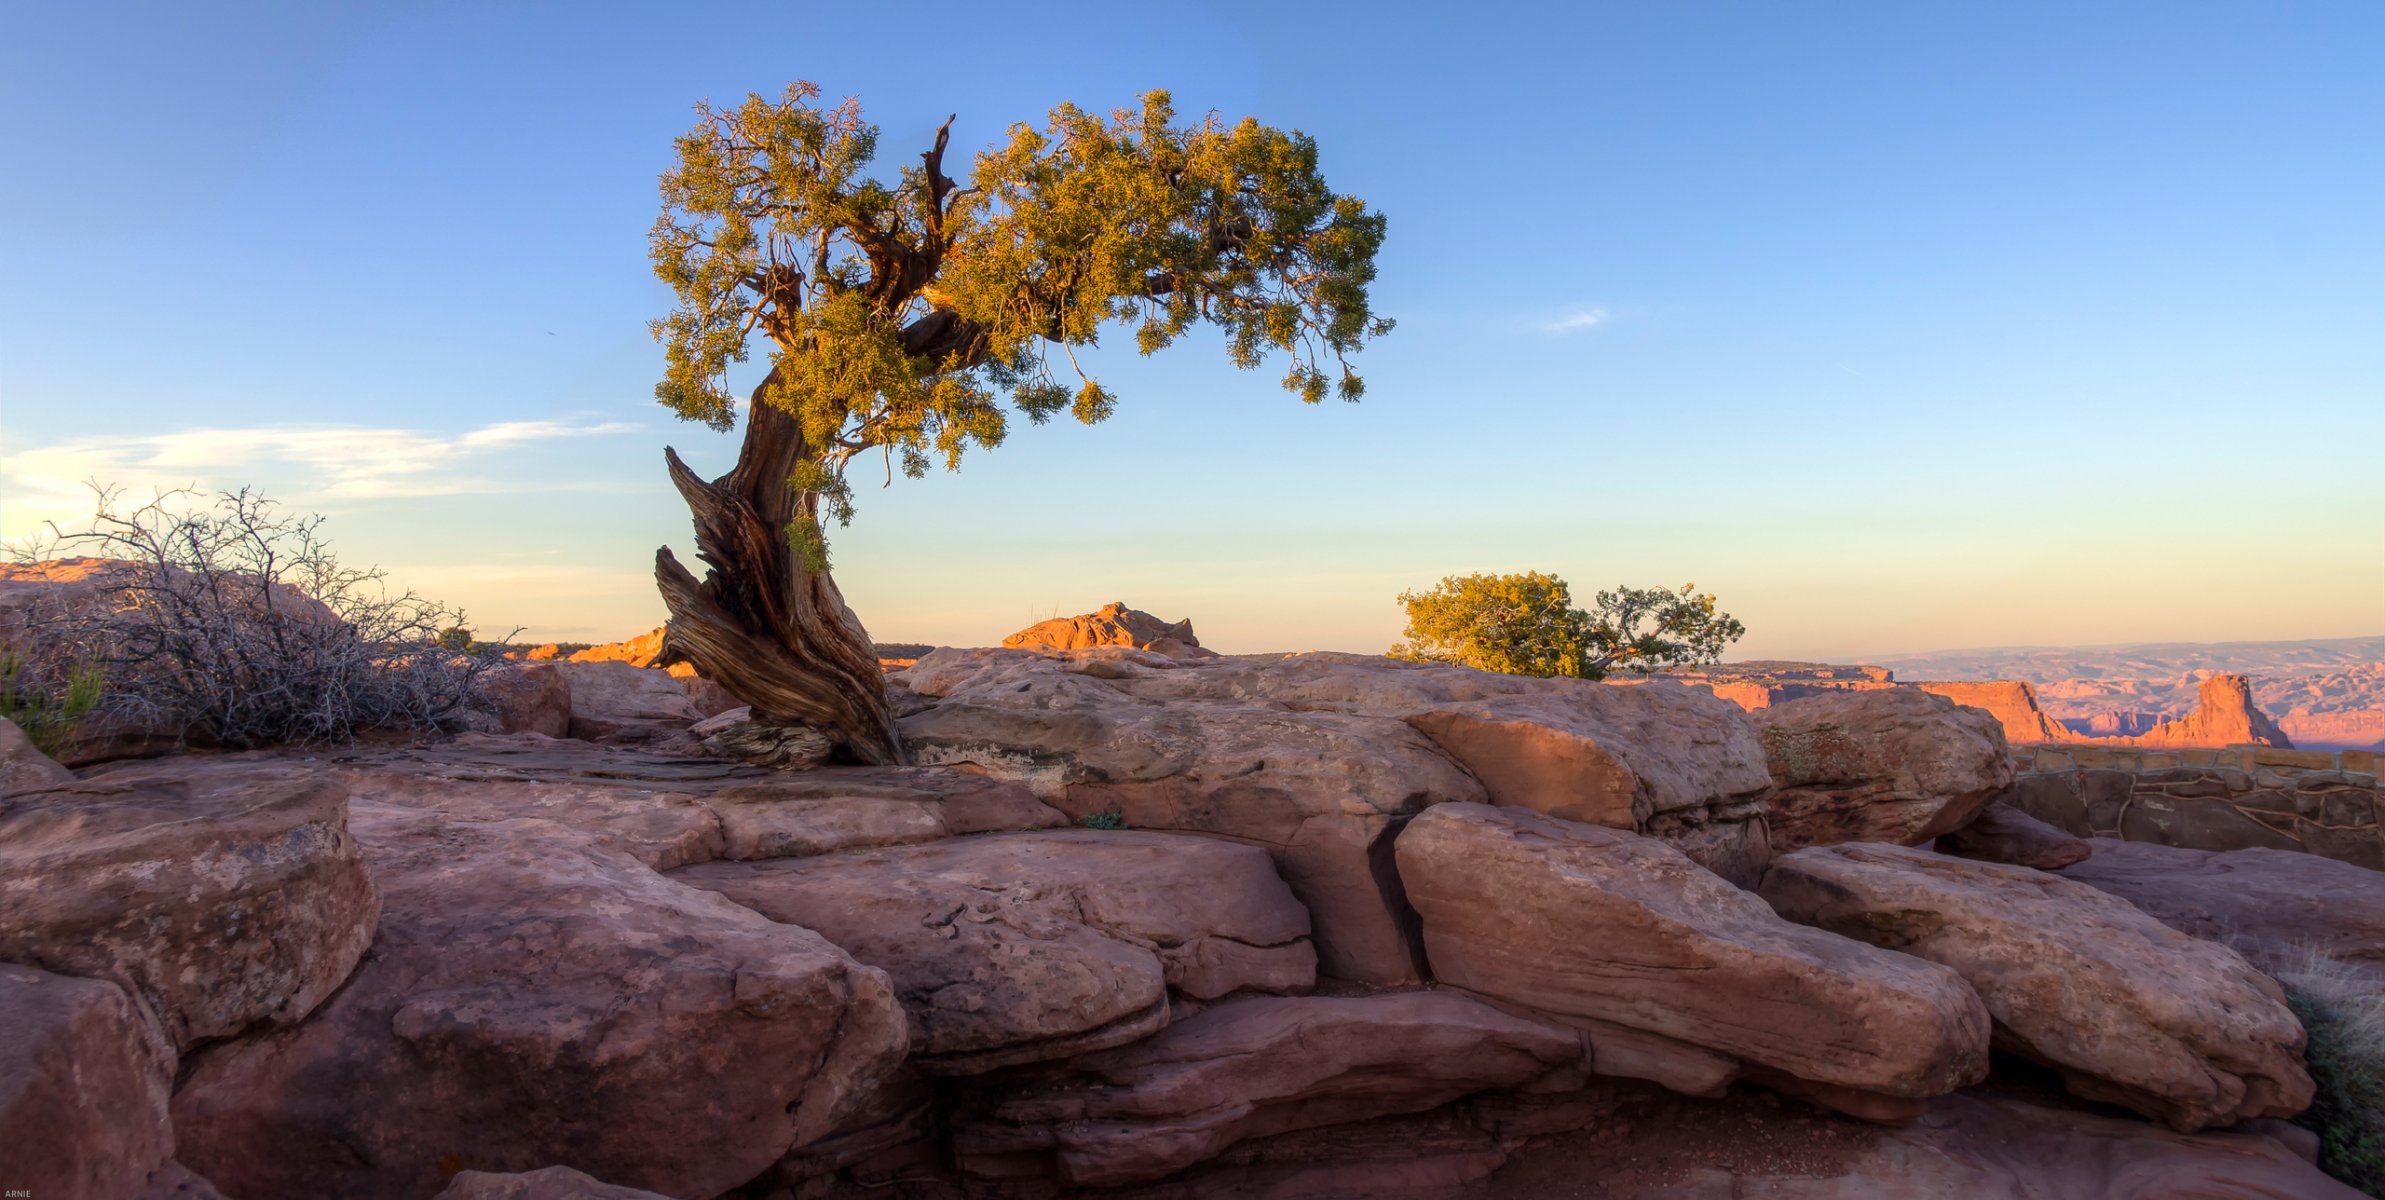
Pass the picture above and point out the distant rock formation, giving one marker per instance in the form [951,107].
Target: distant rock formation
[1114,625]
[640,651]
[2009,701]
[2224,715]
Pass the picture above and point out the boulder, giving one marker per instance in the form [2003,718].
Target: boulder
[1255,1067]
[1593,924]
[1894,765]
[1321,757]
[532,999]
[219,903]
[2125,1008]
[2004,834]
[83,1088]
[546,1183]
[535,698]
[2275,907]
[1114,625]
[617,702]
[1012,948]
[23,767]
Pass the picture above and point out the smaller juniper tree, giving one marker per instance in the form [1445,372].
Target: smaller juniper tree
[1527,625]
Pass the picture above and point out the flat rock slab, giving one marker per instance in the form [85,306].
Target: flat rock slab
[534,998]
[1011,948]
[2004,834]
[1894,765]
[220,902]
[1989,1147]
[2127,1009]
[83,1089]
[1588,923]
[2276,907]
[1258,1066]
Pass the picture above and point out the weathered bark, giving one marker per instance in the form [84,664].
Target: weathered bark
[763,623]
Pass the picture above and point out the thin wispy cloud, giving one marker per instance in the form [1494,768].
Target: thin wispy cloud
[304,463]
[1575,321]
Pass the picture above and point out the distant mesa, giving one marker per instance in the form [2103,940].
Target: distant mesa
[1114,625]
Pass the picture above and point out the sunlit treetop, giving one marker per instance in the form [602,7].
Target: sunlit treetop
[899,316]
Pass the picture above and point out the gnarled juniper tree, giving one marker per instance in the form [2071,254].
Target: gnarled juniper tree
[901,318]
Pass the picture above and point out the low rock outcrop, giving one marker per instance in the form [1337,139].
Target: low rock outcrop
[532,999]
[1113,625]
[1587,923]
[1894,765]
[1321,757]
[532,698]
[2004,834]
[2125,1008]
[83,1089]
[218,905]
[1019,947]
[1255,1067]
[617,702]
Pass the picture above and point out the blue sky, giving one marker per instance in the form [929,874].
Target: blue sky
[1900,327]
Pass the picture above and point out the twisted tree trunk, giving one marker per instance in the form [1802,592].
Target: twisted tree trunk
[763,623]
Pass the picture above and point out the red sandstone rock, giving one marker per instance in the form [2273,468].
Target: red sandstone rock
[1114,625]
[2004,834]
[82,1089]
[1012,948]
[1580,921]
[23,767]
[2224,715]
[1259,1066]
[2011,702]
[534,999]
[2273,906]
[546,1183]
[2127,1009]
[1989,1147]
[1320,756]
[218,903]
[1895,765]
[530,699]
[174,1181]
[639,651]
[615,701]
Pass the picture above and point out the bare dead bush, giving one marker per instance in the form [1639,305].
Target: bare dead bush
[232,623]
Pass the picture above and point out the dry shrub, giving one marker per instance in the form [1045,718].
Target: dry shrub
[233,624]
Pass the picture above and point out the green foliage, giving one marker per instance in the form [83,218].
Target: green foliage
[2344,1013]
[898,315]
[48,714]
[1108,818]
[1527,625]
[456,638]
[1517,624]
